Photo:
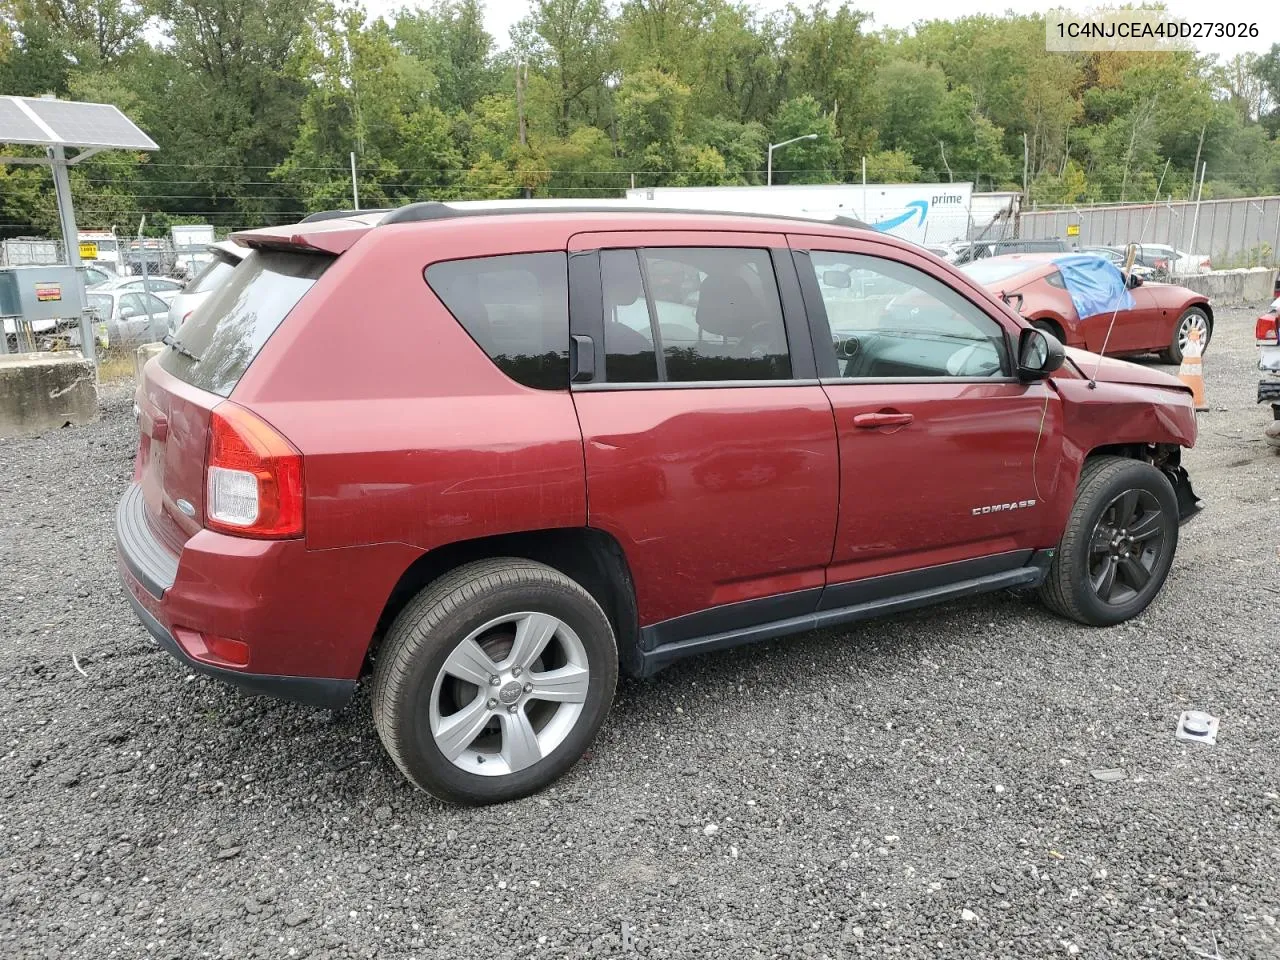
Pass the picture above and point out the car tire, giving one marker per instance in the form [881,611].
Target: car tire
[462,742]
[1190,316]
[1118,545]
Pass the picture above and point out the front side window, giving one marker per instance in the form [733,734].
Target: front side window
[516,308]
[889,320]
[131,305]
[692,314]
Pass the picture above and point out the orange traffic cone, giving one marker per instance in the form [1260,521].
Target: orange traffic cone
[1192,371]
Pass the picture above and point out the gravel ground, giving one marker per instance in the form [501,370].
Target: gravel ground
[913,787]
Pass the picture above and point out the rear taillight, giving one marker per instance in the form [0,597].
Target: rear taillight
[253,477]
[1265,328]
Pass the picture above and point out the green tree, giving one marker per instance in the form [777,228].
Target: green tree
[808,161]
[829,58]
[572,42]
[450,39]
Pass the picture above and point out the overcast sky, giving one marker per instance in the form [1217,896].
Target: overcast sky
[501,14]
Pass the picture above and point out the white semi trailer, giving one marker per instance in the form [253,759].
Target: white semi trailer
[919,212]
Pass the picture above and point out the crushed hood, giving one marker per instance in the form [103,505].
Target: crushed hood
[1120,371]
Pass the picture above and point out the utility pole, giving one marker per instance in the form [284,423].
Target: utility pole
[1196,166]
[522,77]
[1195,220]
[1026,163]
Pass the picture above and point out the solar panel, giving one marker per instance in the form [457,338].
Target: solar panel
[70,124]
[16,126]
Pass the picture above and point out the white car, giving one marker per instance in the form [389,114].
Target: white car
[1161,256]
[131,316]
[166,288]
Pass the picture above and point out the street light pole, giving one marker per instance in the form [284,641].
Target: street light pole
[774,146]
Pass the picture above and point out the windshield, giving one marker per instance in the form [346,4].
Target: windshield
[993,271]
[220,340]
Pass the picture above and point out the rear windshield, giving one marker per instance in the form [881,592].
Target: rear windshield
[216,344]
[213,275]
[993,271]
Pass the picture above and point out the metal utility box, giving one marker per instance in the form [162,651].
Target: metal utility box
[38,294]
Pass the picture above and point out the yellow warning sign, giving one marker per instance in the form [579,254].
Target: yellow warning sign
[88,250]
[1073,230]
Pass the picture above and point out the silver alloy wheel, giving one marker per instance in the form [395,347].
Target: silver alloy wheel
[1196,321]
[512,691]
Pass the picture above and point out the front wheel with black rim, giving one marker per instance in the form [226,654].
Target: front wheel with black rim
[494,680]
[1118,545]
[1193,318]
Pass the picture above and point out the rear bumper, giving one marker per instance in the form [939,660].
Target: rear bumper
[316,691]
[307,617]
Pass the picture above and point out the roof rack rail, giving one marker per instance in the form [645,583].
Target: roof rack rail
[339,214]
[439,210]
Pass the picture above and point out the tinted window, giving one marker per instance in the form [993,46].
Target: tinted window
[220,340]
[891,320]
[628,329]
[713,313]
[1054,279]
[516,308]
[153,304]
[213,275]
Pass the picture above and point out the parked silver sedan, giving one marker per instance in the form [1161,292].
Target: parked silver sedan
[131,316]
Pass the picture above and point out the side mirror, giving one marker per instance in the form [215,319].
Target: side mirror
[1133,281]
[836,278]
[1039,354]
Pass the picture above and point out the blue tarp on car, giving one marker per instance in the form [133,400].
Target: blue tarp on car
[1096,285]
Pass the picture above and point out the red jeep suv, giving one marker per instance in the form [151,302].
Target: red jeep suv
[493,453]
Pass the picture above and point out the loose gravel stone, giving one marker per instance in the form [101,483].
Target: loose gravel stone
[807,753]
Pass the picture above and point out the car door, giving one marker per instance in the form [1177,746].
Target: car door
[1142,327]
[134,320]
[710,447]
[157,317]
[948,463]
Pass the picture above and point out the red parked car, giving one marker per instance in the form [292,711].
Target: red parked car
[1160,321]
[544,472]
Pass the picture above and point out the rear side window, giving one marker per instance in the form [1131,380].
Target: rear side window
[516,307]
[216,344]
[213,275]
[692,314]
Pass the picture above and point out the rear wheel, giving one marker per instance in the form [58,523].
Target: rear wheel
[1118,545]
[494,680]
[1192,318]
